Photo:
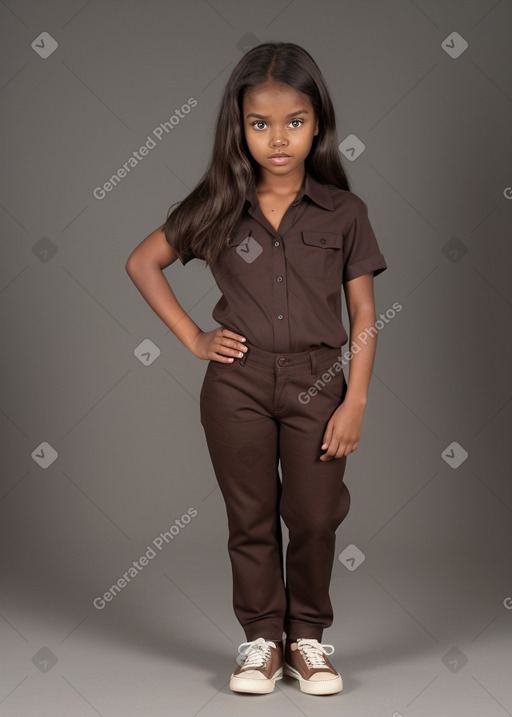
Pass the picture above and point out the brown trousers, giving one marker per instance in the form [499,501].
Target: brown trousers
[256,412]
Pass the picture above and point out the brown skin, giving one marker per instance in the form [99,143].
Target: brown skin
[343,430]
[145,268]
[277,132]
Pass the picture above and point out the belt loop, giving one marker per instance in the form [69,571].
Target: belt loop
[312,356]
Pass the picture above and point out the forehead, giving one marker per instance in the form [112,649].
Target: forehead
[274,99]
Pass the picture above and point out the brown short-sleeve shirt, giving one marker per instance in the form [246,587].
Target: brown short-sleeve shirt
[282,289]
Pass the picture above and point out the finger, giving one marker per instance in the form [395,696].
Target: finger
[327,434]
[223,359]
[333,452]
[232,335]
[232,351]
[327,438]
[325,456]
[237,349]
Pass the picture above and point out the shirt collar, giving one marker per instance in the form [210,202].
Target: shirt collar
[317,191]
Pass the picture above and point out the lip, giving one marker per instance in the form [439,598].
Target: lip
[278,155]
[280,159]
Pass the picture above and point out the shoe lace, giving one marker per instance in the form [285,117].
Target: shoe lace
[313,652]
[255,653]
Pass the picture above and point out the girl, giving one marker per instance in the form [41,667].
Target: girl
[275,219]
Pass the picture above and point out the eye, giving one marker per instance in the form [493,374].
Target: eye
[253,124]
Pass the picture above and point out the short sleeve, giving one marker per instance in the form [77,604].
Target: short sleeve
[361,251]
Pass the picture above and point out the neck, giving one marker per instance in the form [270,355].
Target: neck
[282,185]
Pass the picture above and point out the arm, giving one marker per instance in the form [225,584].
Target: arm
[145,268]
[343,430]
[361,309]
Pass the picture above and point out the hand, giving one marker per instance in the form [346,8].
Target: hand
[343,431]
[220,345]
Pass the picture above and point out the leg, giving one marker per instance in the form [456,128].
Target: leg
[314,502]
[242,438]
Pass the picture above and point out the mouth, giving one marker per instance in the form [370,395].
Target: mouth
[278,154]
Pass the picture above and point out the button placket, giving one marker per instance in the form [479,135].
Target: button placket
[280,295]
[280,290]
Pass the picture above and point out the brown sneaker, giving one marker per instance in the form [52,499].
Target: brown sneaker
[306,661]
[261,664]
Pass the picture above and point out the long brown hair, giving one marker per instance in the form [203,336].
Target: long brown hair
[201,224]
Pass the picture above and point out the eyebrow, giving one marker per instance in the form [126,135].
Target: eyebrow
[292,114]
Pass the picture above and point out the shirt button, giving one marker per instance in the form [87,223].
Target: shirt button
[279,278]
[322,240]
[279,316]
[276,243]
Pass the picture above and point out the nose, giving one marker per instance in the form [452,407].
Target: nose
[278,138]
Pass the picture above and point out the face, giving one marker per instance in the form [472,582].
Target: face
[276,119]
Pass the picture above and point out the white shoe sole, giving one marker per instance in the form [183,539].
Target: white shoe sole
[323,687]
[255,685]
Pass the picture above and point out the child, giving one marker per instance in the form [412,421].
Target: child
[275,219]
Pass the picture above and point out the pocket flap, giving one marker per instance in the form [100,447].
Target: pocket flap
[240,235]
[324,240]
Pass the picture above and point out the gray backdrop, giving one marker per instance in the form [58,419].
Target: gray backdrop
[102,448]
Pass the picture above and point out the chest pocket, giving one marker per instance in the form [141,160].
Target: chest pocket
[322,255]
[244,252]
